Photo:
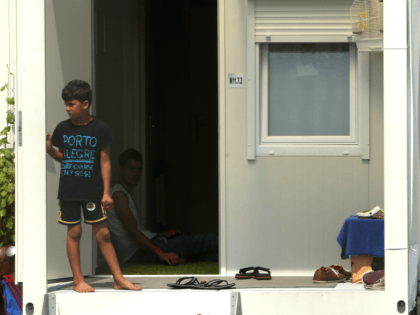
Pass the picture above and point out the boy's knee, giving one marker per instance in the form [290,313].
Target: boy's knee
[103,235]
[75,234]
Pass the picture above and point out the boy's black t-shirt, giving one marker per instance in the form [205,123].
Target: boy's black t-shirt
[81,177]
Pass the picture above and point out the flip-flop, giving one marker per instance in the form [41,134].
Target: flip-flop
[244,274]
[215,284]
[262,276]
[183,284]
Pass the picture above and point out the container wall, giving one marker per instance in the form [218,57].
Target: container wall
[285,213]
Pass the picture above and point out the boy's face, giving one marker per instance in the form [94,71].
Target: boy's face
[131,172]
[76,109]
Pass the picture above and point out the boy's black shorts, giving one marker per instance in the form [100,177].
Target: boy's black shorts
[69,212]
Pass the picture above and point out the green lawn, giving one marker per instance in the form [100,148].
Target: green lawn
[203,268]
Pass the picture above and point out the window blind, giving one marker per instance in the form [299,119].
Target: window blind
[274,18]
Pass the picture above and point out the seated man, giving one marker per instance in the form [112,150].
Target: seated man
[132,241]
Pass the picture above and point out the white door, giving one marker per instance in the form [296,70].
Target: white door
[62,52]
[68,57]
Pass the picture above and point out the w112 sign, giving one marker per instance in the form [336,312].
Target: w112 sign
[235,80]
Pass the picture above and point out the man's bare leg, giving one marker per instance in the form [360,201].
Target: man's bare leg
[74,233]
[102,235]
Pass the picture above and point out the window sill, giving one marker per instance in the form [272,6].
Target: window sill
[310,150]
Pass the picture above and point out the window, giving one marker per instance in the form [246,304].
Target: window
[308,80]
[308,90]
[307,99]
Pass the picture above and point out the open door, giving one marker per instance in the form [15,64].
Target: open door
[68,57]
[65,55]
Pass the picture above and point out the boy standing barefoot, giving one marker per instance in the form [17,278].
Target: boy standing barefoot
[84,148]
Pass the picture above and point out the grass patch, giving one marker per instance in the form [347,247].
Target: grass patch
[199,268]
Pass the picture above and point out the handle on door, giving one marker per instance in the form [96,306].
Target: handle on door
[20,128]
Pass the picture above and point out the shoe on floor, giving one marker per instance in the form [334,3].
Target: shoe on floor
[341,270]
[246,273]
[327,275]
[371,277]
[264,275]
[378,285]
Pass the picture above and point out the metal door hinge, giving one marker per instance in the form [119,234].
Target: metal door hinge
[52,304]
[235,304]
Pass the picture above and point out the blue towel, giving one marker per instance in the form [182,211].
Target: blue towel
[361,237]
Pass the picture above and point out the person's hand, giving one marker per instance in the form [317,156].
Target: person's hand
[49,142]
[170,258]
[107,202]
[172,233]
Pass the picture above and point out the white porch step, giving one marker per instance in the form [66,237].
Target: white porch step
[223,302]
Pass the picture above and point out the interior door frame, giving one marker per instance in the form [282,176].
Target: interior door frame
[93,112]
[222,136]
[221,128]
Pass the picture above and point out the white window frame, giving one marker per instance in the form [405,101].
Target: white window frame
[261,144]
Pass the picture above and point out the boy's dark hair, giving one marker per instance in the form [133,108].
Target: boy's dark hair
[130,154]
[77,89]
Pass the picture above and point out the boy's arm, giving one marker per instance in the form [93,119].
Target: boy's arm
[123,209]
[56,155]
[107,202]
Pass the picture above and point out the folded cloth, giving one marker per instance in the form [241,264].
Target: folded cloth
[361,237]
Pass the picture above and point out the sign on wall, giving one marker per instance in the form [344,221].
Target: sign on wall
[235,80]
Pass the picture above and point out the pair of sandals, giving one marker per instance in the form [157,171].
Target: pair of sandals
[254,273]
[193,283]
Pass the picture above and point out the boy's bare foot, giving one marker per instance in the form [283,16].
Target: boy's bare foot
[124,284]
[83,287]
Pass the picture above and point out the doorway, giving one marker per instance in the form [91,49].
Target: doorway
[156,86]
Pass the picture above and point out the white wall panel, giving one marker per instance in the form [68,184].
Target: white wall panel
[395,24]
[395,147]
[293,209]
